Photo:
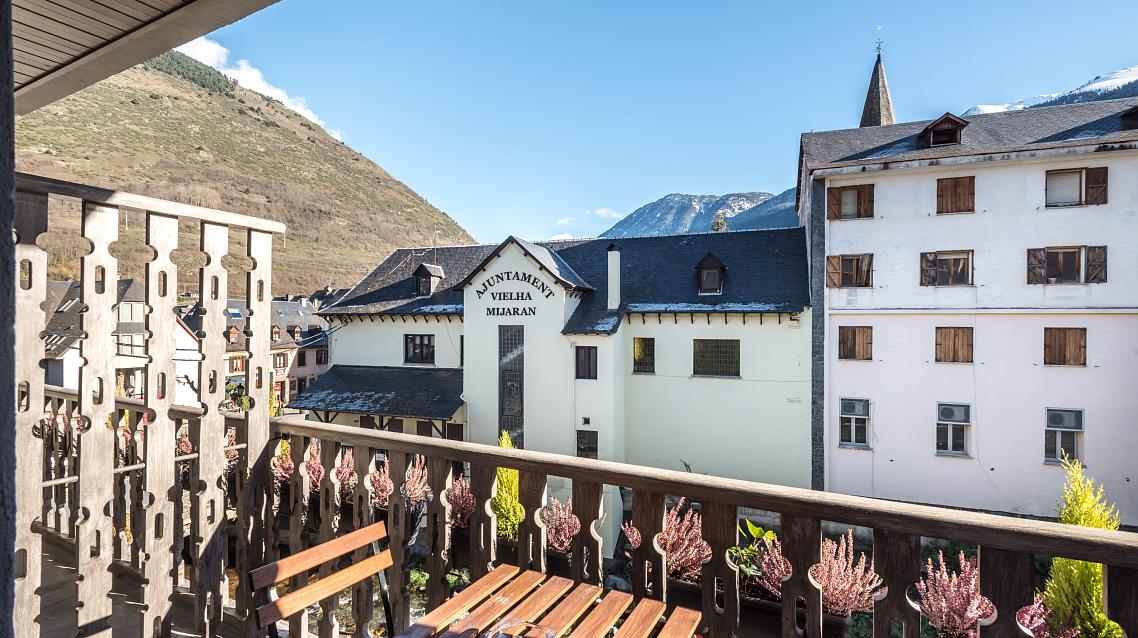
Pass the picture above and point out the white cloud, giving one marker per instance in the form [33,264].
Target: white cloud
[564,221]
[561,236]
[605,213]
[213,54]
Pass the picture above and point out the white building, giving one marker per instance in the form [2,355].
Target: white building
[969,330]
[674,352]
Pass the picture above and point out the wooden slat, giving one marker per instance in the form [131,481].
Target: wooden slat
[67,22]
[483,531]
[498,604]
[438,530]
[1120,597]
[536,604]
[297,600]
[604,616]
[643,620]
[101,13]
[290,566]
[1006,580]
[569,610]
[299,489]
[721,531]
[586,557]
[443,615]
[531,531]
[648,561]
[801,545]
[398,532]
[328,624]
[897,559]
[363,593]
[681,624]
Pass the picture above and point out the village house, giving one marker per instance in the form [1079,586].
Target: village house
[657,351]
[966,259]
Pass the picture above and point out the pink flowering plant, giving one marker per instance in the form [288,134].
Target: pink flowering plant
[1041,621]
[561,525]
[682,541]
[461,501]
[381,486]
[952,601]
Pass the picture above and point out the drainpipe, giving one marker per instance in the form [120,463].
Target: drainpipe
[614,277]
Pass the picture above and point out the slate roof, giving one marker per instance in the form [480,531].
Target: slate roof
[314,328]
[766,272]
[426,393]
[1024,130]
[62,329]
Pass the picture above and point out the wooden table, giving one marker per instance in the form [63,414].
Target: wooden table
[553,602]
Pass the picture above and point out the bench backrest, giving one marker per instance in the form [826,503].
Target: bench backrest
[264,578]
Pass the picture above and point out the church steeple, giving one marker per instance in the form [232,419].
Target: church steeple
[878,108]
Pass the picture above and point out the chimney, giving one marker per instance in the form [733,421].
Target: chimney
[614,277]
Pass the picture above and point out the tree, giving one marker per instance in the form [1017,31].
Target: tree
[719,223]
[1074,588]
[505,504]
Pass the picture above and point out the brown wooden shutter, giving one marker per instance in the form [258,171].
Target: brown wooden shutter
[1065,346]
[864,347]
[1096,265]
[965,194]
[855,342]
[944,196]
[833,203]
[865,271]
[928,269]
[1096,185]
[845,342]
[1077,346]
[833,272]
[965,345]
[1036,265]
[954,345]
[865,200]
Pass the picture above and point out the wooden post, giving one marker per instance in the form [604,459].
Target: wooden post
[1120,597]
[531,531]
[362,592]
[897,559]
[483,523]
[1008,584]
[438,530]
[721,531]
[649,565]
[586,556]
[299,489]
[9,491]
[802,546]
[329,497]
[397,532]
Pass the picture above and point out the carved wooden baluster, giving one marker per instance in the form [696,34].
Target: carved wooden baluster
[363,592]
[209,489]
[118,486]
[1009,586]
[71,463]
[483,523]
[299,490]
[255,505]
[649,565]
[52,496]
[438,530]
[531,531]
[31,290]
[329,510]
[94,530]
[139,528]
[586,555]
[897,559]
[1120,597]
[720,530]
[397,533]
[802,546]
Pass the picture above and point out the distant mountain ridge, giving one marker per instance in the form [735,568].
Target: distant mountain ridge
[678,214]
[1109,86]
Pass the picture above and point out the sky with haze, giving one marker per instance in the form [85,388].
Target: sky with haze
[541,119]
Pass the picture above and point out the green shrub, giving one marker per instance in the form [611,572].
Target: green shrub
[505,503]
[1074,588]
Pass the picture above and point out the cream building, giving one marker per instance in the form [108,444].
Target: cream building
[978,304]
[684,352]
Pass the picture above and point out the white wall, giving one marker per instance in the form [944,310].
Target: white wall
[380,343]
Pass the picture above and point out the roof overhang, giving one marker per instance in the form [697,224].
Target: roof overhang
[60,50]
[528,250]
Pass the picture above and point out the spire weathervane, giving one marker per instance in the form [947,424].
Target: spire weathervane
[879,41]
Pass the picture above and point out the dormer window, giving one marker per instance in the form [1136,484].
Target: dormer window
[276,333]
[296,333]
[1130,118]
[710,271]
[423,286]
[943,131]
[426,276]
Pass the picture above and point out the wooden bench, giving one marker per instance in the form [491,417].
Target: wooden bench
[265,579]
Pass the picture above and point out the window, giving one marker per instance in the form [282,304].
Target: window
[237,364]
[586,362]
[1061,434]
[292,386]
[1076,187]
[715,357]
[587,444]
[1067,265]
[855,342]
[954,345]
[423,286]
[296,333]
[849,271]
[1065,346]
[130,312]
[946,268]
[301,384]
[511,381]
[301,359]
[131,345]
[276,333]
[418,348]
[321,356]
[952,423]
[854,422]
[956,195]
[944,136]
[233,334]
[280,360]
[644,355]
[849,202]
[710,281]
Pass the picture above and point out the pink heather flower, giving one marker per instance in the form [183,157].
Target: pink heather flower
[1038,619]
[774,567]
[461,502]
[682,542]
[313,466]
[561,525]
[416,488]
[951,601]
[346,474]
[847,586]
[381,486]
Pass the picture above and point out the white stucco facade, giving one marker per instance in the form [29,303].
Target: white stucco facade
[1007,385]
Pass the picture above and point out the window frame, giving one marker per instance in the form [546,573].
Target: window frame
[1094,186]
[1076,434]
[644,355]
[704,289]
[951,428]
[946,257]
[1067,332]
[585,358]
[863,200]
[859,336]
[321,356]
[948,193]
[419,349]
[1080,260]
[422,290]
[853,420]
[941,333]
[301,359]
[734,373]
[595,444]
[278,358]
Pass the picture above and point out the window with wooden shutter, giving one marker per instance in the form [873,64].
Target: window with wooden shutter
[855,343]
[956,195]
[1036,265]
[849,271]
[1065,346]
[954,345]
[1077,187]
[1096,185]
[946,268]
[1096,265]
[849,202]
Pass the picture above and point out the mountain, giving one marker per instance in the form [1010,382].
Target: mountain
[677,214]
[177,129]
[1117,84]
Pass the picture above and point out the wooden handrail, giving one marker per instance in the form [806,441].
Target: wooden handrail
[28,183]
[1003,532]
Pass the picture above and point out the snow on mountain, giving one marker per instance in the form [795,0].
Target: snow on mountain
[678,214]
[1095,89]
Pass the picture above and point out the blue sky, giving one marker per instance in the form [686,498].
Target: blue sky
[514,116]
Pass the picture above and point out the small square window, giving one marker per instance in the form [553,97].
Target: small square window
[586,362]
[854,422]
[1065,188]
[953,423]
[1061,434]
[1063,265]
[710,281]
[644,355]
[418,348]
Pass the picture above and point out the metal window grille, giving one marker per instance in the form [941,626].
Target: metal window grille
[586,362]
[716,357]
[511,381]
[419,349]
[587,444]
[644,355]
